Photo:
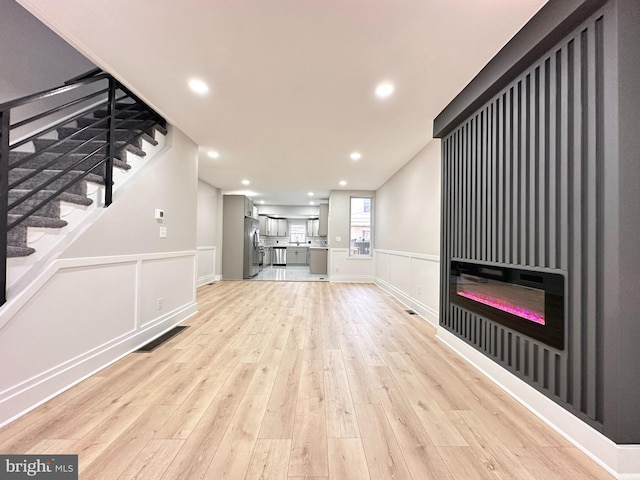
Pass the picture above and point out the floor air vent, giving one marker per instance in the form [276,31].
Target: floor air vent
[411,312]
[153,344]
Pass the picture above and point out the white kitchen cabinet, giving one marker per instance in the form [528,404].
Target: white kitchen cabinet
[248,207]
[313,227]
[283,227]
[296,255]
[263,225]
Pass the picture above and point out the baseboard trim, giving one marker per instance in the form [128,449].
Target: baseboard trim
[205,280]
[621,461]
[426,312]
[351,279]
[56,381]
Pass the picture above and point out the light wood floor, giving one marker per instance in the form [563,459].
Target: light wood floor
[278,380]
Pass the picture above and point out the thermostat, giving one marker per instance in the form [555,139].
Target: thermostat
[159,214]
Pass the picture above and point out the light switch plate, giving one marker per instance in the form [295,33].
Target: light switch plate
[338,239]
[163,232]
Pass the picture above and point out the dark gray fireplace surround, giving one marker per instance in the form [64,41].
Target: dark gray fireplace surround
[541,174]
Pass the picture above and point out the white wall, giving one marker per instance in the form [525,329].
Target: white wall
[407,232]
[169,181]
[117,286]
[32,56]
[342,267]
[209,233]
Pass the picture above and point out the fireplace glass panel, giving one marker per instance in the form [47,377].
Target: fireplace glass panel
[522,301]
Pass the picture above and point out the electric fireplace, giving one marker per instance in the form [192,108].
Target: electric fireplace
[529,302]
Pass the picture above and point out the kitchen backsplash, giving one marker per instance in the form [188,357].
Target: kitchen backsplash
[315,241]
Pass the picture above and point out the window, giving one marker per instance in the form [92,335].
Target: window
[298,232]
[360,226]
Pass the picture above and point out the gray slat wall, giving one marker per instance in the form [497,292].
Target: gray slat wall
[522,186]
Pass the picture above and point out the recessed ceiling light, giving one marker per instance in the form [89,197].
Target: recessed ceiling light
[245,182]
[213,154]
[356,156]
[312,203]
[198,86]
[384,90]
[261,202]
[343,183]
[310,194]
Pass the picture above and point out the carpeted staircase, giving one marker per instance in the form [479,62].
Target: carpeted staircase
[74,141]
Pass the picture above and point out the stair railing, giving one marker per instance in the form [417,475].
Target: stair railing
[38,117]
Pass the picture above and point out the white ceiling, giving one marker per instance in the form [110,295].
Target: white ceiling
[292,81]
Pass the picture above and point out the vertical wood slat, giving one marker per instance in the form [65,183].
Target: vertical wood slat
[537,232]
[543,177]
[454,209]
[523,199]
[508,177]
[600,119]
[494,180]
[499,177]
[530,169]
[473,206]
[552,171]
[445,240]
[465,190]
[515,171]
[573,191]
[459,195]
[482,186]
[589,231]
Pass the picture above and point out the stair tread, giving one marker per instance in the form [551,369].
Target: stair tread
[21,172]
[39,221]
[119,144]
[19,251]
[16,193]
[86,146]
[15,157]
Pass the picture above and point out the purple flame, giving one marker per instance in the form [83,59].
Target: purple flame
[505,307]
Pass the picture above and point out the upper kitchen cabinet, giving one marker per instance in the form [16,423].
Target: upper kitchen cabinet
[313,227]
[323,221]
[273,227]
[283,227]
[249,210]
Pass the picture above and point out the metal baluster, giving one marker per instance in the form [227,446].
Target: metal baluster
[4,200]
[111,138]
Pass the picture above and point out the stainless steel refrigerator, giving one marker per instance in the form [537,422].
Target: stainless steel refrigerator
[251,250]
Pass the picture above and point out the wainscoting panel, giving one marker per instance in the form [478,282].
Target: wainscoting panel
[162,286]
[412,278]
[81,315]
[66,335]
[206,262]
[522,187]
